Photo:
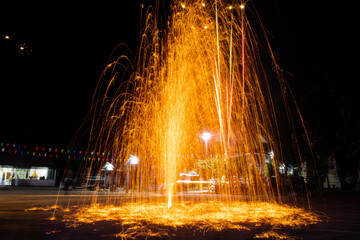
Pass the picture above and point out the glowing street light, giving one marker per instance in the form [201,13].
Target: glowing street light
[133,160]
[206,137]
[108,167]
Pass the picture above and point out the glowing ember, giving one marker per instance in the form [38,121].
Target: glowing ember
[155,219]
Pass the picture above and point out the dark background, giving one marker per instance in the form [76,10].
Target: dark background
[46,89]
[46,93]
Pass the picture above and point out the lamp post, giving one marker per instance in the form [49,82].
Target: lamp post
[206,137]
[133,160]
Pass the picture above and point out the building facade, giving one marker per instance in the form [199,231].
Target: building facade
[26,170]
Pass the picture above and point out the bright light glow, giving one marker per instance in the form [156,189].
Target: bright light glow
[183,5]
[7,37]
[203,4]
[189,174]
[108,167]
[230,7]
[133,160]
[206,136]
[242,6]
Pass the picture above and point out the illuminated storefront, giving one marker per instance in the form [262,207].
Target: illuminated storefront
[22,170]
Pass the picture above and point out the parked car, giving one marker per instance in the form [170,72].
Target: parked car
[91,183]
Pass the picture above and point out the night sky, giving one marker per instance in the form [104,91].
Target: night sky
[46,93]
[46,90]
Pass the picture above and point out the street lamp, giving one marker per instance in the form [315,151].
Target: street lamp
[206,137]
[133,160]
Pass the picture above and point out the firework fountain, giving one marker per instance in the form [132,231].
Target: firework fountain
[202,74]
[198,101]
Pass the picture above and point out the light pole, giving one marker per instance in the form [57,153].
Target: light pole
[206,137]
[133,160]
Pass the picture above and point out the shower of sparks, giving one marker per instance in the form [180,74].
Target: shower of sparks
[190,80]
[203,72]
[155,219]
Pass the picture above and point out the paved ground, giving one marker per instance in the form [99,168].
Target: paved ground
[343,210]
